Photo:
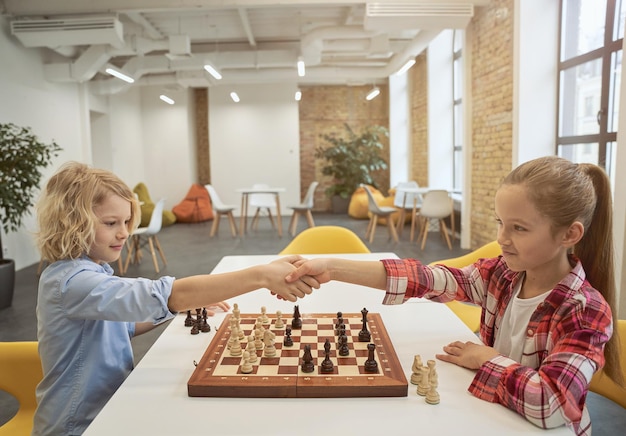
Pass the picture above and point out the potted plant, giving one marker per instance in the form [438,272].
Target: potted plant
[23,157]
[351,161]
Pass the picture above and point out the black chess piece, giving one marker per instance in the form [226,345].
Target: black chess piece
[364,334]
[339,322]
[327,365]
[204,326]
[296,322]
[288,342]
[343,349]
[370,364]
[307,360]
[189,319]
[196,328]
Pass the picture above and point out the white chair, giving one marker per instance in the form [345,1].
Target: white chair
[407,201]
[376,212]
[148,235]
[261,202]
[303,208]
[437,205]
[220,209]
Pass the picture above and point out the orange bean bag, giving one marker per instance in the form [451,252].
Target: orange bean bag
[195,207]
[359,208]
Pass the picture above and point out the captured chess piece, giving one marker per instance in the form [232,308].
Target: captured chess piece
[327,366]
[204,327]
[189,319]
[432,396]
[370,364]
[364,334]
[416,375]
[307,360]
[423,386]
[296,322]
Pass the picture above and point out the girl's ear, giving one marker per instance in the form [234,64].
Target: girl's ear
[573,234]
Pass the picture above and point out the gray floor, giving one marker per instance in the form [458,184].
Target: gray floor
[189,250]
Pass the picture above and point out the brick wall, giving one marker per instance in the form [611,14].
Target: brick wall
[418,85]
[492,101]
[325,110]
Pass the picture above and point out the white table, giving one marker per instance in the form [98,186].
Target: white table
[154,401]
[245,195]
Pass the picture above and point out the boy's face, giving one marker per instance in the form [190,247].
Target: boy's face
[111,229]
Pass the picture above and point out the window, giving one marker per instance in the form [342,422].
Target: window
[457,93]
[590,65]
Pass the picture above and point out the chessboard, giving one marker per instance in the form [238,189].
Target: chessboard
[358,367]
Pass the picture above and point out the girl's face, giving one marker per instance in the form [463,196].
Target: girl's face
[111,229]
[526,236]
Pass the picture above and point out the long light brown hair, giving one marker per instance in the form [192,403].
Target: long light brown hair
[565,192]
[65,211]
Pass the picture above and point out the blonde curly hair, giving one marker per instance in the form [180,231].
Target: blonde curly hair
[65,211]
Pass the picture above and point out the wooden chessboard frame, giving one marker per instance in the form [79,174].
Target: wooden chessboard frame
[215,374]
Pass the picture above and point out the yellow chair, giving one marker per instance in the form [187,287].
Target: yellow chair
[601,384]
[20,372]
[325,240]
[467,312]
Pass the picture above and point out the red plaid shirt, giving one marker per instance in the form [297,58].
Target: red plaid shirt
[564,344]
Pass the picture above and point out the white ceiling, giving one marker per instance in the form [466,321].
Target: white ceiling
[253,41]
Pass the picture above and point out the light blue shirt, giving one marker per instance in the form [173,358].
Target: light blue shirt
[85,319]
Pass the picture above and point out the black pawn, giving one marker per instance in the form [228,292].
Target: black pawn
[288,342]
[189,319]
[339,322]
[196,328]
[370,364]
[344,350]
[307,360]
[296,322]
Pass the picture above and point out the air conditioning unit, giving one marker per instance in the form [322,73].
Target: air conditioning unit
[59,32]
[397,16]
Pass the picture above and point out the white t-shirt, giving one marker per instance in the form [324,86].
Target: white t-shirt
[512,334]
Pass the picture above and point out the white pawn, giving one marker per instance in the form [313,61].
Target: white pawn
[416,376]
[235,348]
[233,333]
[264,318]
[236,311]
[251,348]
[432,397]
[246,367]
[279,324]
[240,330]
[432,373]
[258,339]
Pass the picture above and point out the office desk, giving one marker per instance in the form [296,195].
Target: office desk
[245,194]
[154,401]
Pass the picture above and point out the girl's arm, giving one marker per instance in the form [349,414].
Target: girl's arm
[358,272]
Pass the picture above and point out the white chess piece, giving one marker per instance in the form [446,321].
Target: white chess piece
[432,397]
[246,367]
[251,348]
[264,318]
[236,311]
[423,386]
[416,376]
[258,339]
[279,324]
[268,340]
[235,348]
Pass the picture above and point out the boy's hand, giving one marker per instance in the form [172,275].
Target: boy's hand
[317,269]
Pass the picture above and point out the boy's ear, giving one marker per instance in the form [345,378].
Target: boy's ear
[573,234]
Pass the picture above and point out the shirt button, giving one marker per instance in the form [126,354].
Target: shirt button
[530,332]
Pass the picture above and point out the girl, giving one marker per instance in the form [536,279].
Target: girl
[86,316]
[546,301]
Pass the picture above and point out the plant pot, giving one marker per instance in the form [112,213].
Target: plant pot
[340,204]
[7,282]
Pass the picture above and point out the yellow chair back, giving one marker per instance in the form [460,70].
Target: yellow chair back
[20,372]
[470,313]
[603,385]
[326,240]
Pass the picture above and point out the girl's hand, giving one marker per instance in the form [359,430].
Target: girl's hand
[317,269]
[290,291]
[467,354]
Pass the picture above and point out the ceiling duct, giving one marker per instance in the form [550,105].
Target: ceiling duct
[390,16]
[71,31]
